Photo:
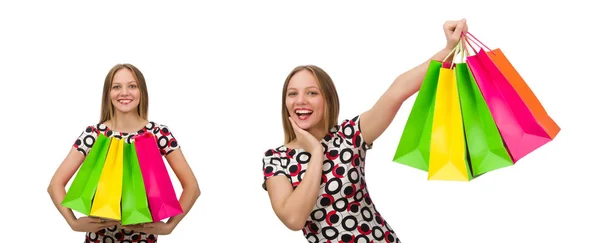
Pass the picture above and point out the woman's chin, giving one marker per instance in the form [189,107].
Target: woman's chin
[125,109]
[305,122]
[305,125]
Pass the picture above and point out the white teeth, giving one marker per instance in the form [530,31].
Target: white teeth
[303,112]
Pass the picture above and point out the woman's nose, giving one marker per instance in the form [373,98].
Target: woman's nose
[301,99]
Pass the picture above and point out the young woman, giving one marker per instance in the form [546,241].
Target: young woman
[124,114]
[315,181]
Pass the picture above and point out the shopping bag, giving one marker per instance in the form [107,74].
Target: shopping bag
[530,99]
[448,155]
[159,189]
[414,145]
[107,201]
[521,132]
[484,143]
[134,203]
[83,188]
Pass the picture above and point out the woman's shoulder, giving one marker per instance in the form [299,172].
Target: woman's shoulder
[277,151]
[165,138]
[94,129]
[156,127]
[86,139]
[349,121]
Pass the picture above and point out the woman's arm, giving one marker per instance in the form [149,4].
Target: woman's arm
[59,180]
[377,119]
[291,206]
[189,184]
[57,192]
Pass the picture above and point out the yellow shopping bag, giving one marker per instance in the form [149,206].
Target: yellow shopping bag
[107,201]
[448,154]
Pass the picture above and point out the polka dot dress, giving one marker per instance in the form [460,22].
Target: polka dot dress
[343,211]
[166,143]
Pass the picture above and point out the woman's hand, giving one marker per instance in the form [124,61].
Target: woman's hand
[91,224]
[453,31]
[306,140]
[377,119]
[155,228]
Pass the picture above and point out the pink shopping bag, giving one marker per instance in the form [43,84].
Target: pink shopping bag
[161,195]
[521,132]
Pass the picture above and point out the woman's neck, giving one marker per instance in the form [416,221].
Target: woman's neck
[318,133]
[126,122]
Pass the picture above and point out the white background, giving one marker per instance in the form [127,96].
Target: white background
[215,73]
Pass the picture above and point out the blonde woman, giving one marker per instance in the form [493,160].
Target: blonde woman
[124,114]
[316,181]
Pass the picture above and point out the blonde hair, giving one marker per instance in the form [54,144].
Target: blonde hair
[108,111]
[328,90]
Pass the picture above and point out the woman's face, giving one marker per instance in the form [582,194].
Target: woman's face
[124,91]
[304,100]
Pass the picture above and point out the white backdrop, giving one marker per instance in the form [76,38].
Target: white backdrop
[215,72]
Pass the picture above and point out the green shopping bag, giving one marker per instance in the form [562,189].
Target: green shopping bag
[484,142]
[135,207]
[415,142]
[82,190]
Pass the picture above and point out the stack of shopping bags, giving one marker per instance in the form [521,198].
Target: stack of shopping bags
[472,116]
[124,181]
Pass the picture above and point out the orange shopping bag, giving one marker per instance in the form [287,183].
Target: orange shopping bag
[526,94]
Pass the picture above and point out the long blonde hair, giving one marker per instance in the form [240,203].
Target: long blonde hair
[108,110]
[332,103]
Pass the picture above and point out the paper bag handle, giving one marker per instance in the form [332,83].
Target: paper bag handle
[457,49]
[471,38]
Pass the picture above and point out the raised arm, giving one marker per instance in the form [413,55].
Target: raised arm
[377,119]
[291,206]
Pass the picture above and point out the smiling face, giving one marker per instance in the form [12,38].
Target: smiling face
[124,91]
[304,100]
[309,97]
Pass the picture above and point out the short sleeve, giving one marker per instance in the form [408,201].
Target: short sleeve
[165,139]
[272,166]
[86,140]
[352,134]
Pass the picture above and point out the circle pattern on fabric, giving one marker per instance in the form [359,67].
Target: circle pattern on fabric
[165,141]
[114,234]
[343,211]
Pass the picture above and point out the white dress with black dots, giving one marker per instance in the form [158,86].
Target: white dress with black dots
[343,211]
